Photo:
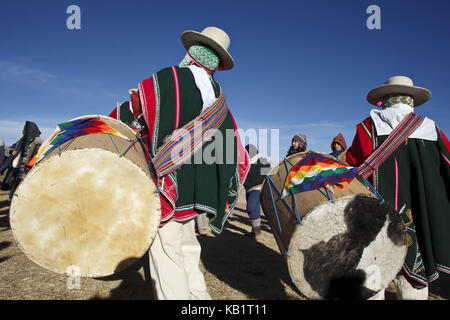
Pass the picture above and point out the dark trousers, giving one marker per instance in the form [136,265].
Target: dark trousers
[253,204]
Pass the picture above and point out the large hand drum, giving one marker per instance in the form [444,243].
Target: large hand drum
[338,243]
[90,206]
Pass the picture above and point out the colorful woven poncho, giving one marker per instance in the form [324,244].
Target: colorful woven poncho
[69,130]
[170,100]
[315,171]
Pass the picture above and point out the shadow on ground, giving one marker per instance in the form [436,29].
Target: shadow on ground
[245,220]
[4,245]
[246,264]
[134,285]
[4,225]
[4,215]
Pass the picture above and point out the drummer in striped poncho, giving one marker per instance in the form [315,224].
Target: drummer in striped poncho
[173,102]
[414,178]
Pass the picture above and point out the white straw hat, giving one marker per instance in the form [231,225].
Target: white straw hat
[401,85]
[215,38]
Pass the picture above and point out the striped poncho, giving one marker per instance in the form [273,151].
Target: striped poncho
[208,179]
[415,180]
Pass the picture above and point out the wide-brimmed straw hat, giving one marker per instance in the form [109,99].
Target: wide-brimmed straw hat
[215,38]
[400,85]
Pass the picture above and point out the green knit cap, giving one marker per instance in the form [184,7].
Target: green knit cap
[203,55]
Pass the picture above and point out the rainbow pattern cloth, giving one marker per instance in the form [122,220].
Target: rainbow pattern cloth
[315,171]
[72,129]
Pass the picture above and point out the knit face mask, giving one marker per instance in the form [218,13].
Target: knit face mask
[392,99]
[203,56]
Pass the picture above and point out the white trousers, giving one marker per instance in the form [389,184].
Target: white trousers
[405,291]
[174,263]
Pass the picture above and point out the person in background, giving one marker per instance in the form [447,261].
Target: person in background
[338,145]
[6,168]
[201,222]
[24,151]
[299,144]
[2,151]
[259,169]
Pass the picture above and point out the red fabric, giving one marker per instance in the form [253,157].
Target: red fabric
[135,103]
[361,146]
[243,158]
[447,143]
[113,114]
[168,192]
[184,215]
[167,196]
[148,104]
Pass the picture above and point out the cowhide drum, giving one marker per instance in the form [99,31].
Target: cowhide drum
[349,247]
[89,207]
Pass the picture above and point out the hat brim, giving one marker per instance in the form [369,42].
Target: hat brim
[420,95]
[188,38]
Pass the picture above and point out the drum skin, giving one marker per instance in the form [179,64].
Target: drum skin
[350,248]
[86,210]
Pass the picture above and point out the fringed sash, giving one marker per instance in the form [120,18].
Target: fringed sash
[403,130]
[188,139]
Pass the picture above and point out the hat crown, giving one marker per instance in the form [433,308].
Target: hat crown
[218,35]
[400,80]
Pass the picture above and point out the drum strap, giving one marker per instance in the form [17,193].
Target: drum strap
[403,130]
[187,140]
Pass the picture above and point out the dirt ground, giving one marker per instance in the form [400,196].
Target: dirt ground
[235,268]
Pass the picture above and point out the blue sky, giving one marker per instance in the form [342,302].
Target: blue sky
[301,66]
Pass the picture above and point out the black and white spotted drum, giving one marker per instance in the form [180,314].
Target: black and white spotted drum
[339,243]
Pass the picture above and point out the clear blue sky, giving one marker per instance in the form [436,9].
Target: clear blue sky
[301,66]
